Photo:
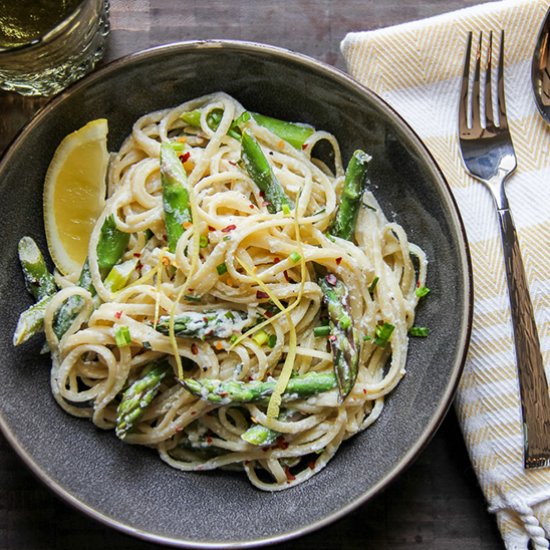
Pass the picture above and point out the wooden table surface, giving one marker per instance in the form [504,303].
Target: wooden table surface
[436,504]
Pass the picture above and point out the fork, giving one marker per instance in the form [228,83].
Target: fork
[488,155]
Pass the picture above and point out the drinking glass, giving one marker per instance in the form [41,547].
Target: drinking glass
[45,45]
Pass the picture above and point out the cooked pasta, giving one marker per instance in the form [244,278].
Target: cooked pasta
[214,339]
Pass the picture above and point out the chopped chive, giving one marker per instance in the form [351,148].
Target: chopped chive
[321,331]
[286,209]
[203,241]
[295,257]
[421,291]
[272,340]
[233,338]
[344,321]
[321,211]
[227,238]
[261,337]
[191,298]
[373,284]
[367,337]
[148,234]
[221,268]
[383,334]
[229,315]
[369,207]
[330,237]
[420,332]
[177,146]
[122,336]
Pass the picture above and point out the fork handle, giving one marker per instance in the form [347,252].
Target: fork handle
[535,400]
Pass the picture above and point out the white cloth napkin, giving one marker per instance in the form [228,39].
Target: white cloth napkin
[417,68]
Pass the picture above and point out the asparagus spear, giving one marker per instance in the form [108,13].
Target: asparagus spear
[215,323]
[40,283]
[175,195]
[344,339]
[111,245]
[234,391]
[354,185]
[295,134]
[259,435]
[138,396]
[38,280]
[261,173]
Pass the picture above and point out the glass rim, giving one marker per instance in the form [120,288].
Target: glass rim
[47,37]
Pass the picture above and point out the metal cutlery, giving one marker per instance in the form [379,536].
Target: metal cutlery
[488,155]
[540,75]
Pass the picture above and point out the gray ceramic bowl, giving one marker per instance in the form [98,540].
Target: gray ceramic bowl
[128,487]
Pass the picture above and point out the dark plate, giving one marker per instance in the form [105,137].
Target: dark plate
[128,487]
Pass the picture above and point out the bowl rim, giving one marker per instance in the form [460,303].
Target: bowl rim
[465,260]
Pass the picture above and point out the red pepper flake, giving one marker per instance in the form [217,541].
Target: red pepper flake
[276,260]
[260,294]
[285,273]
[339,260]
[118,314]
[164,237]
[232,163]
[311,465]
[209,440]
[417,284]
[262,194]
[281,443]
[193,413]
[139,265]
[223,394]
[289,476]
[331,279]
[304,146]
[137,254]
[210,228]
[194,349]
[332,338]
[185,157]
[364,391]
[268,314]
[251,206]
[229,228]
[190,290]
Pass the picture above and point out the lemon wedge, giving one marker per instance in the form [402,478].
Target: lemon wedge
[74,194]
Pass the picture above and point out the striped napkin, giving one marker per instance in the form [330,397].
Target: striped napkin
[417,68]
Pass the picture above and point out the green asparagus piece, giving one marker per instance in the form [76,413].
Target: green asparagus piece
[213,119]
[292,132]
[40,283]
[344,339]
[260,436]
[295,134]
[31,321]
[139,396]
[111,245]
[175,195]
[355,182]
[260,171]
[235,391]
[214,323]
[38,280]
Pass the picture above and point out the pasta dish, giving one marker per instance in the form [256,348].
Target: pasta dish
[244,304]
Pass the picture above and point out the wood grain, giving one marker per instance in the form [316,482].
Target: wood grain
[436,504]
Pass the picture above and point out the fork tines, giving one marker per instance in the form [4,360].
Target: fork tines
[475,122]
